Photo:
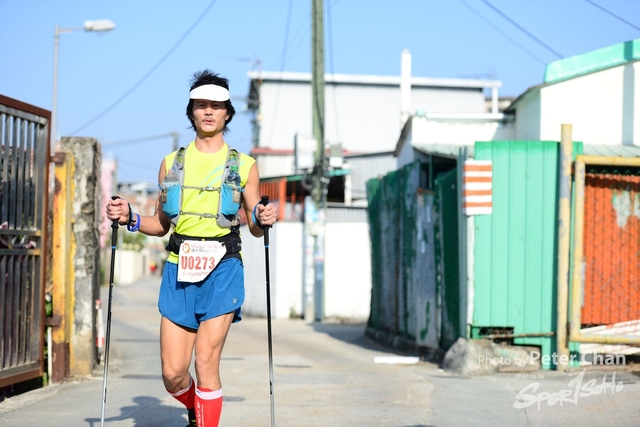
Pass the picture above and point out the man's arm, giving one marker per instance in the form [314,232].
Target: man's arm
[155,225]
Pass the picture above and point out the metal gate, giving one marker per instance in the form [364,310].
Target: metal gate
[606,272]
[24,154]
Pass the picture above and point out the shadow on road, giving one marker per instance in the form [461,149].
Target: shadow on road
[358,334]
[352,333]
[166,415]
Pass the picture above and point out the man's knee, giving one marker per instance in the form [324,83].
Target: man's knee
[175,380]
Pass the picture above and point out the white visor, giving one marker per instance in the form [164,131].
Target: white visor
[210,92]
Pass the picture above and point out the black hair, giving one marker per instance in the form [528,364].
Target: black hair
[207,77]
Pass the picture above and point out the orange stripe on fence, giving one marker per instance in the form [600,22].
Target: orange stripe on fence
[477,168]
[467,193]
[467,205]
[477,179]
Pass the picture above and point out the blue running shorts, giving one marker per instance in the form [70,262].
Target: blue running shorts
[187,304]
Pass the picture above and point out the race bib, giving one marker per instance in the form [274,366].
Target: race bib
[198,258]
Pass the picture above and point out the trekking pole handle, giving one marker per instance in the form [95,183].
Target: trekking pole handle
[264,200]
[114,227]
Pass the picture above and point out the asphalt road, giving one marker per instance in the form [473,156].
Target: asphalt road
[324,375]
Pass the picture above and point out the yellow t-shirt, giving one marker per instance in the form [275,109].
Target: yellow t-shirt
[204,170]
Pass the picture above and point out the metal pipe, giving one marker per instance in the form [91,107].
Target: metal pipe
[576,283]
[610,161]
[49,355]
[532,334]
[564,242]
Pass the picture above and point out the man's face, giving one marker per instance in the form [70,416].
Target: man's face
[209,117]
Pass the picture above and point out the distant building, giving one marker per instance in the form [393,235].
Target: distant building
[141,194]
[364,114]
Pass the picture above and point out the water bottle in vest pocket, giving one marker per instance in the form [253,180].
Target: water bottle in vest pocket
[231,193]
[170,188]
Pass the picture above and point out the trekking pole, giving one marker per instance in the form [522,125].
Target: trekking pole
[265,202]
[114,240]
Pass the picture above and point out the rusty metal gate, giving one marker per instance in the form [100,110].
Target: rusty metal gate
[611,248]
[24,154]
[605,291]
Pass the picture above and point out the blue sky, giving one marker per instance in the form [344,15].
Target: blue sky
[133,82]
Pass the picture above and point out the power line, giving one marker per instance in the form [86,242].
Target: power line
[522,29]
[153,69]
[495,27]
[612,14]
[285,46]
[138,165]
[298,36]
[142,139]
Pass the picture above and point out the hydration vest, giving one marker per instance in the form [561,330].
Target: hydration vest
[230,194]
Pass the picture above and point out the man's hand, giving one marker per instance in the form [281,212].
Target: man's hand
[267,215]
[118,209]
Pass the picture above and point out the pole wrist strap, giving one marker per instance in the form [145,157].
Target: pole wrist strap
[136,226]
[255,219]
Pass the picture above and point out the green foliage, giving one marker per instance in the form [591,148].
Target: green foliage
[134,241]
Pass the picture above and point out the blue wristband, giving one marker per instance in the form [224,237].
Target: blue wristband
[254,218]
[134,227]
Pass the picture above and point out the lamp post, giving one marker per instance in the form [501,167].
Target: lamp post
[97,26]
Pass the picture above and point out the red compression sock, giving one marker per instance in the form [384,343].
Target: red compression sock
[187,396]
[208,406]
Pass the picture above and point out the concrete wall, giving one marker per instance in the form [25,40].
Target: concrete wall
[276,165]
[528,118]
[364,118]
[452,131]
[285,265]
[347,271]
[130,265]
[85,221]
[604,107]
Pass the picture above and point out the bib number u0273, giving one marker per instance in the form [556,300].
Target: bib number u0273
[198,258]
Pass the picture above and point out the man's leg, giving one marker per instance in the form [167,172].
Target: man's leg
[176,348]
[209,343]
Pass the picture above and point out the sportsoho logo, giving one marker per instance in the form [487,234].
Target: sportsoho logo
[527,397]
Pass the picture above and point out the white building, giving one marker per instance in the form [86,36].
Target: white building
[598,92]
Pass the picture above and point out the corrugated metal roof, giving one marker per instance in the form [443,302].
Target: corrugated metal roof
[442,150]
[612,150]
[373,79]
[451,150]
[300,176]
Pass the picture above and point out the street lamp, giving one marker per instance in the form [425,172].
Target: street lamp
[99,25]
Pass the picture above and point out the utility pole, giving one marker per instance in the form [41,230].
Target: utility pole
[319,191]
[175,136]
